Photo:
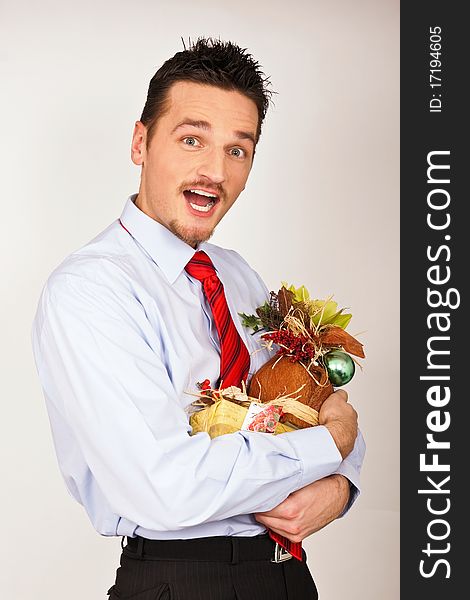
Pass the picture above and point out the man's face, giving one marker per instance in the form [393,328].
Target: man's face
[198,160]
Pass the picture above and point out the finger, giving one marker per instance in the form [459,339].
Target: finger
[272,522]
[264,520]
[275,512]
[284,527]
[276,525]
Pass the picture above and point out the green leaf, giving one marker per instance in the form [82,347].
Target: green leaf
[321,311]
[251,321]
[301,294]
[340,320]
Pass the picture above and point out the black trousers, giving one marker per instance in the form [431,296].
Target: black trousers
[225,576]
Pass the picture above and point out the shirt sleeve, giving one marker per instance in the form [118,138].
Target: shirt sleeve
[103,373]
[350,468]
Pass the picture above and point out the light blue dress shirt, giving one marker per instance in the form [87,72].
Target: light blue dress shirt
[121,336]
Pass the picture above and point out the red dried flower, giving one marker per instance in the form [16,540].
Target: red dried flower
[298,347]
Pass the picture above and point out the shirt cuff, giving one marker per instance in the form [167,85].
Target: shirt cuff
[351,468]
[354,492]
[316,451]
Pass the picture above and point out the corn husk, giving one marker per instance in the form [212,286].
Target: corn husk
[224,414]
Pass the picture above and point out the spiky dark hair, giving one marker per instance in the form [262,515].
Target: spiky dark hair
[213,62]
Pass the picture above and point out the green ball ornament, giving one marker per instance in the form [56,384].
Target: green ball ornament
[340,367]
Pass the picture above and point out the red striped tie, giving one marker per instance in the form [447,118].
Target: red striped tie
[234,357]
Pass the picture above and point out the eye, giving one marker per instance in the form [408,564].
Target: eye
[192,141]
[239,152]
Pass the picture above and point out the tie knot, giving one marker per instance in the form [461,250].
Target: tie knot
[200,266]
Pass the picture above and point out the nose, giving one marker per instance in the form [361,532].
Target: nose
[213,166]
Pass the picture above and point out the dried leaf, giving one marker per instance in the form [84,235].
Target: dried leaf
[301,294]
[285,298]
[335,336]
[269,314]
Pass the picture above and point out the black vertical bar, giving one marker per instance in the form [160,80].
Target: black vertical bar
[435,327]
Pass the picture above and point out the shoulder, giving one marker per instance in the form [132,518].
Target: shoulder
[99,269]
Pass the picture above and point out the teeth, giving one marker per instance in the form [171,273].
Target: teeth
[205,208]
[201,193]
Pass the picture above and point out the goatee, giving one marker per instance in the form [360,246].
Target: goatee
[190,235]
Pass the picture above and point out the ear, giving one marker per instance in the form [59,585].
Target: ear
[139,140]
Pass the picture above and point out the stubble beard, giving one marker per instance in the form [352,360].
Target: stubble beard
[190,235]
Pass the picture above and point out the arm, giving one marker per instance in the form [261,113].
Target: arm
[353,454]
[104,373]
[313,507]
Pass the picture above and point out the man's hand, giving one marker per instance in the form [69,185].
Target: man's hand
[309,509]
[340,419]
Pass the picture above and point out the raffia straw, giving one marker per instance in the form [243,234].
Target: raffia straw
[289,403]
[322,311]
[275,362]
[296,323]
[319,383]
[298,409]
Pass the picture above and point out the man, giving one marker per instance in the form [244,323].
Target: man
[126,327]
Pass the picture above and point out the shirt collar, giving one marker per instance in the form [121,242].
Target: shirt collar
[169,252]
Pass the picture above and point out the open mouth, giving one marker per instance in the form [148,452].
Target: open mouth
[201,201]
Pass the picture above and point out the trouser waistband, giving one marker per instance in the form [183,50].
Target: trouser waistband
[230,549]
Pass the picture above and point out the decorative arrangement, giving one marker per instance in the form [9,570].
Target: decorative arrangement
[313,353]
[226,410]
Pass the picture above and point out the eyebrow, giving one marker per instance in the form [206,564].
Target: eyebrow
[241,135]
